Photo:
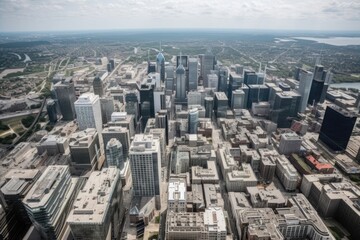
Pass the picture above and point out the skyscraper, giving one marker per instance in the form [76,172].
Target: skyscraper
[107,108]
[98,86]
[235,82]
[193,120]
[257,93]
[305,79]
[250,77]
[88,111]
[209,107]
[285,109]
[180,96]
[147,109]
[132,103]
[65,94]
[193,74]
[207,62]
[238,99]
[160,65]
[49,200]
[159,99]
[161,121]
[220,105]
[51,111]
[212,82]
[145,166]
[223,78]
[336,128]
[114,154]
[119,133]
[318,84]
[169,81]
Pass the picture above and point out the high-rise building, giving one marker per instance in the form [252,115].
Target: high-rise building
[65,94]
[207,62]
[51,111]
[235,82]
[159,99]
[160,65]
[98,86]
[112,63]
[114,154]
[193,120]
[305,80]
[180,96]
[151,67]
[317,87]
[98,210]
[119,133]
[209,107]
[250,77]
[145,163]
[161,121]
[49,201]
[107,108]
[220,105]
[88,112]
[212,81]
[169,78]
[285,109]
[122,119]
[132,103]
[85,150]
[238,99]
[289,143]
[147,109]
[337,127]
[193,74]
[223,80]
[257,93]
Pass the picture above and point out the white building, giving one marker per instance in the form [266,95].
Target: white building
[289,143]
[177,195]
[88,112]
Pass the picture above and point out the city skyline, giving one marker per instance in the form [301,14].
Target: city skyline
[70,15]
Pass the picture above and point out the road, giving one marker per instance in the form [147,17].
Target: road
[18,114]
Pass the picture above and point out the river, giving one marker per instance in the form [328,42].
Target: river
[346,85]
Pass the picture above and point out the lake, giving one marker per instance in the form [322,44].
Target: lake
[346,85]
[335,41]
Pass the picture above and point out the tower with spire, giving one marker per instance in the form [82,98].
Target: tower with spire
[160,64]
[180,96]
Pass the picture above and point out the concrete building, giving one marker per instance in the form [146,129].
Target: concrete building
[49,201]
[107,108]
[289,143]
[97,210]
[177,192]
[65,95]
[98,86]
[193,120]
[238,180]
[88,112]
[207,62]
[85,151]
[122,119]
[220,105]
[213,81]
[145,163]
[52,144]
[267,169]
[51,111]
[194,98]
[286,173]
[213,197]
[238,99]
[305,80]
[114,154]
[205,175]
[119,133]
[201,225]
[266,198]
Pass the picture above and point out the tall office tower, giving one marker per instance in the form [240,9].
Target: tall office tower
[88,112]
[122,119]
[151,67]
[235,82]
[193,120]
[257,93]
[305,79]
[160,65]
[147,109]
[108,67]
[193,74]
[207,62]
[112,63]
[239,69]
[49,201]
[289,143]
[132,103]
[238,99]
[250,77]
[107,108]
[297,73]
[98,86]
[209,107]
[220,105]
[145,166]
[317,84]
[98,210]
[194,98]
[260,77]
[212,81]
[65,94]
[14,219]
[161,121]
[327,81]
[184,61]
[85,150]
[245,89]
[51,111]
[119,133]
[169,75]
[180,96]
[285,109]
[336,128]
[159,99]
[114,154]
[223,80]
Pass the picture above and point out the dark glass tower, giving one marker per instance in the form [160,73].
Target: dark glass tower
[285,108]
[65,94]
[336,128]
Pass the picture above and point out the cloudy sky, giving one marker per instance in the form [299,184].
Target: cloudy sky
[39,15]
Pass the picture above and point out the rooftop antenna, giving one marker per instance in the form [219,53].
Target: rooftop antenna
[148,55]
[160,50]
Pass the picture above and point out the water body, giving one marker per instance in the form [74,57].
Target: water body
[16,55]
[27,58]
[335,41]
[346,85]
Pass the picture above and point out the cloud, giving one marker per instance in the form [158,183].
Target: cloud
[18,15]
